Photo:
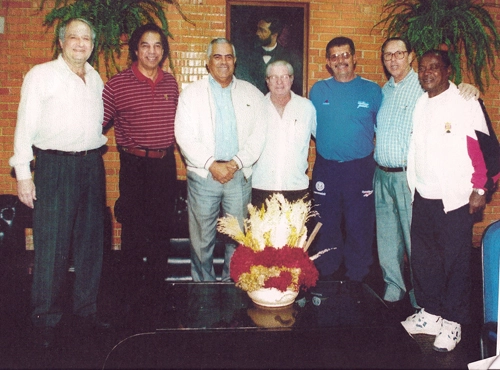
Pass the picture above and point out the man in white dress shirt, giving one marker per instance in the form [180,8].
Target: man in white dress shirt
[60,121]
[282,166]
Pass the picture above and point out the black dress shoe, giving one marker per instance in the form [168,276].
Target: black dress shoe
[44,337]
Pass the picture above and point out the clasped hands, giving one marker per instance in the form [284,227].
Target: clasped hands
[223,172]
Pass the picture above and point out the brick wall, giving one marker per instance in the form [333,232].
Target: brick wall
[26,43]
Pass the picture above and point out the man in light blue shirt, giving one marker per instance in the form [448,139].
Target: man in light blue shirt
[220,132]
[346,106]
[392,196]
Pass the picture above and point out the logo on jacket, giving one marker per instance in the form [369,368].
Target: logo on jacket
[326,102]
[363,104]
[319,187]
[366,193]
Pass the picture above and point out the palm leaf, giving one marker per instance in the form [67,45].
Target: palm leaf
[464,26]
[111,20]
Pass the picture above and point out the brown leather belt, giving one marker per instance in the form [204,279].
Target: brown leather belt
[145,153]
[392,169]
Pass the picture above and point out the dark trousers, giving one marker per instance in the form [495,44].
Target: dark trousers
[343,195]
[440,258]
[145,206]
[69,211]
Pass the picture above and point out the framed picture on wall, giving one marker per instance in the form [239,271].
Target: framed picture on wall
[266,31]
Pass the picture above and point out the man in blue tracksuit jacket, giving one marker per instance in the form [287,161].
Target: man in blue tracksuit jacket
[347,107]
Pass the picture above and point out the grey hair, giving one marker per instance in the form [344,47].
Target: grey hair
[279,63]
[218,41]
[62,29]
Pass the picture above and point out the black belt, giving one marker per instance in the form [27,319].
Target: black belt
[147,153]
[392,169]
[72,154]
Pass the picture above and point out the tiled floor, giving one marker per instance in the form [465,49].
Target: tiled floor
[81,350]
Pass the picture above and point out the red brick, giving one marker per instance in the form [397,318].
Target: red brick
[17,4]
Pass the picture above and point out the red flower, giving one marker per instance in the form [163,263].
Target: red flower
[287,258]
[281,282]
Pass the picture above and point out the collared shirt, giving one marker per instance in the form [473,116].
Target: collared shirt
[394,120]
[268,52]
[195,125]
[283,163]
[143,111]
[59,111]
[226,135]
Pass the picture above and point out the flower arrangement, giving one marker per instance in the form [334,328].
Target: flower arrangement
[273,249]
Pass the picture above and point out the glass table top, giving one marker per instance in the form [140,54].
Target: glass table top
[337,324]
[223,306]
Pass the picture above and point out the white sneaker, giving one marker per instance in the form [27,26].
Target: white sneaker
[448,337]
[422,323]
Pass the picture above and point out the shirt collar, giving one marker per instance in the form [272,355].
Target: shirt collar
[65,66]
[292,95]
[409,76]
[138,74]
[215,84]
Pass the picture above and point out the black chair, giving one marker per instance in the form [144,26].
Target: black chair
[15,217]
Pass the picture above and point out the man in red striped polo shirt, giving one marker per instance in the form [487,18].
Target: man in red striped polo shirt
[141,103]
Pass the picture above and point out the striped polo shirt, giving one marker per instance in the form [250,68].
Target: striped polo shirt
[143,111]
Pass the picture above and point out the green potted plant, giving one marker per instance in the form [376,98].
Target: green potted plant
[463,27]
[113,20]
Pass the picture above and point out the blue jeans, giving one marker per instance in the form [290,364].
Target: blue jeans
[205,199]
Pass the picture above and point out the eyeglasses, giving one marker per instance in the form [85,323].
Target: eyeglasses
[431,68]
[398,54]
[283,78]
[344,55]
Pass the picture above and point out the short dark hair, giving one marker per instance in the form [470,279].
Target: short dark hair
[276,24]
[406,42]
[441,54]
[133,43]
[340,41]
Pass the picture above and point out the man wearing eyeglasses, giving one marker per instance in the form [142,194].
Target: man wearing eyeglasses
[291,120]
[59,122]
[347,107]
[220,130]
[392,195]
